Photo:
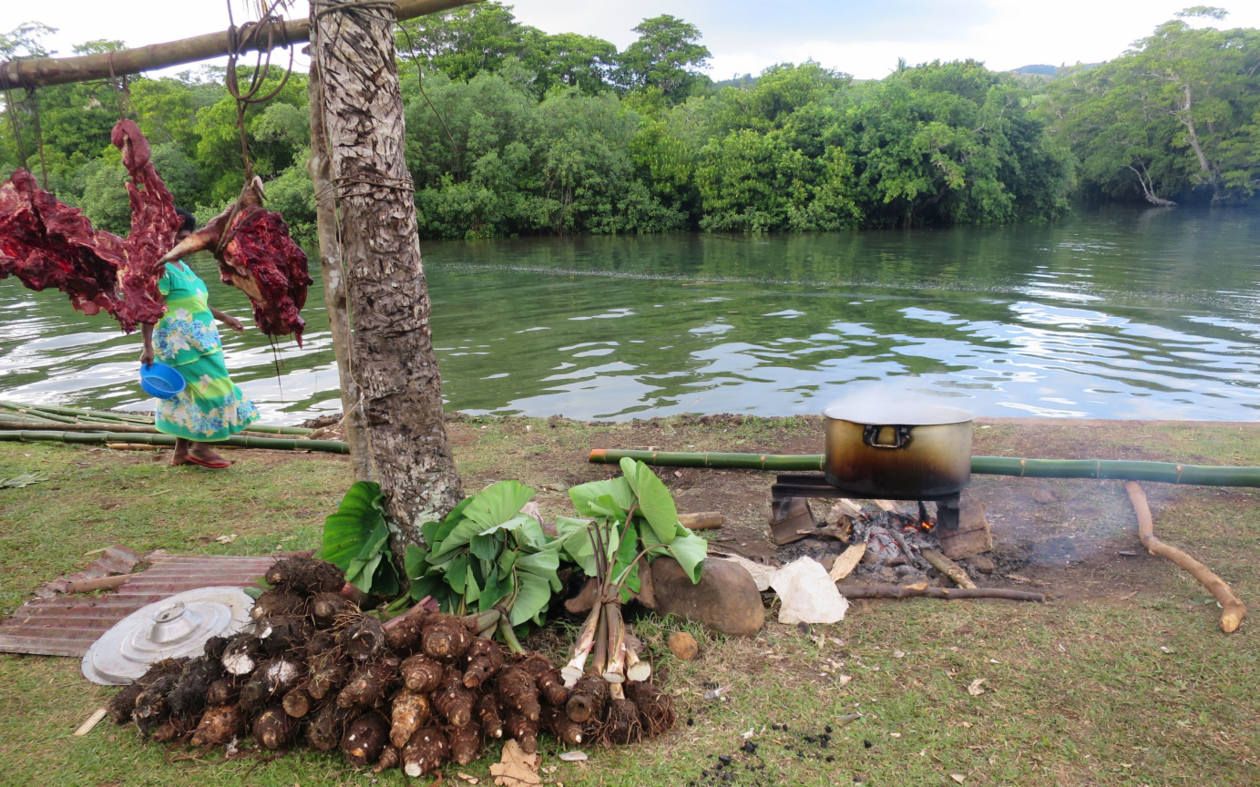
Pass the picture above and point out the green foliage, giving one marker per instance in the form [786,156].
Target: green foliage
[664,57]
[629,515]
[356,540]
[487,553]
[1174,118]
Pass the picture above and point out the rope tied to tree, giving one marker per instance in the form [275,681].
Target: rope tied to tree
[326,7]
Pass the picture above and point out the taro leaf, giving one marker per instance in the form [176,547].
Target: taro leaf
[544,564]
[533,593]
[385,579]
[656,504]
[352,527]
[413,561]
[690,551]
[457,573]
[498,503]
[495,591]
[485,547]
[507,560]
[578,545]
[472,590]
[584,497]
[361,570]
[440,530]
[432,584]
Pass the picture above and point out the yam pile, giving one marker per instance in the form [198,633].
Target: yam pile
[422,691]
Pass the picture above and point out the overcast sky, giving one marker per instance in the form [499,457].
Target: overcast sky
[861,38]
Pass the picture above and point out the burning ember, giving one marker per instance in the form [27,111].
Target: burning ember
[894,542]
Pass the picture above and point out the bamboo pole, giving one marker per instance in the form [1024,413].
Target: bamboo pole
[67,415]
[1119,469]
[16,74]
[97,438]
[1233,610]
[949,594]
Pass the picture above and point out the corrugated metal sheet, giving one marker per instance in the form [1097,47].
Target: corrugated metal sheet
[68,625]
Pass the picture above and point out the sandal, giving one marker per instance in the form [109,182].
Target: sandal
[213,465]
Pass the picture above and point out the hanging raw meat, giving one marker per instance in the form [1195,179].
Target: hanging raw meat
[47,244]
[257,256]
[154,223]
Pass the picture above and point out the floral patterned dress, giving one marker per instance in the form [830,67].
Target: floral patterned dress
[210,407]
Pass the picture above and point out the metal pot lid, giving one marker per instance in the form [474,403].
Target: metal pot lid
[174,627]
[895,413]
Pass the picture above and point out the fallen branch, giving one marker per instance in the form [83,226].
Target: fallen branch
[949,568]
[1233,609]
[899,591]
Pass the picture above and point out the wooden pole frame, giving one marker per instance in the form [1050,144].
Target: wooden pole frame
[42,72]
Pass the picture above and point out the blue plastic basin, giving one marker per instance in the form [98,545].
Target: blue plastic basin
[162,381]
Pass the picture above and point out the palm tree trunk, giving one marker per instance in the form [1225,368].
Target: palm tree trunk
[391,347]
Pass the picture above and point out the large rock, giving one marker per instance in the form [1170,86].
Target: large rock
[725,600]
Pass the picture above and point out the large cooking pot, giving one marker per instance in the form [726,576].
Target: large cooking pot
[901,452]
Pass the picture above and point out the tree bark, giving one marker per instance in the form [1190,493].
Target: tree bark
[391,354]
[64,70]
[1187,120]
[320,168]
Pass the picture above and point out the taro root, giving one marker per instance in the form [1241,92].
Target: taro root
[365,739]
[151,708]
[280,635]
[484,659]
[224,691]
[275,677]
[560,725]
[297,703]
[123,704]
[465,742]
[517,691]
[362,639]
[587,700]
[328,674]
[488,715]
[522,730]
[370,684]
[215,646]
[427,751]
[403,633]
[421,673]
[274,729]
[446,637]
[391,757]
[622,725]
[411,711]
[326,607]
[189,695]
[548,680]
[166,733]
[328,724]
[240,657]
[656,708]
[305,576]
[277,603]
[453,701]
[220,725]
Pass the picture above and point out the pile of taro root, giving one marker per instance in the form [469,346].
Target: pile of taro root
[421,692]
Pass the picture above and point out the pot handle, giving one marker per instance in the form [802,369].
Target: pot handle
[901,436]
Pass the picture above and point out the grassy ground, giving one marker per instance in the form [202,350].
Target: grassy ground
[1125,681]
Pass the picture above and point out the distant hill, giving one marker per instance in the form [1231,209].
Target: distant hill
[1048,71]
[747,80]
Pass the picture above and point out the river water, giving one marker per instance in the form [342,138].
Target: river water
[1115,314]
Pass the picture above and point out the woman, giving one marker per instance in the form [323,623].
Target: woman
[210,408]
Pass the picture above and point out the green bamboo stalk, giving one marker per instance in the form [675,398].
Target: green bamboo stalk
[78,413]
[70,414]
[737,461]
[1161,472]
[97,438]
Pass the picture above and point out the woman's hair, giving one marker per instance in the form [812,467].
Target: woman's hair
[190,221]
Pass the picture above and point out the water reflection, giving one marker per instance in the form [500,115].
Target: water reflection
[1118,315]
